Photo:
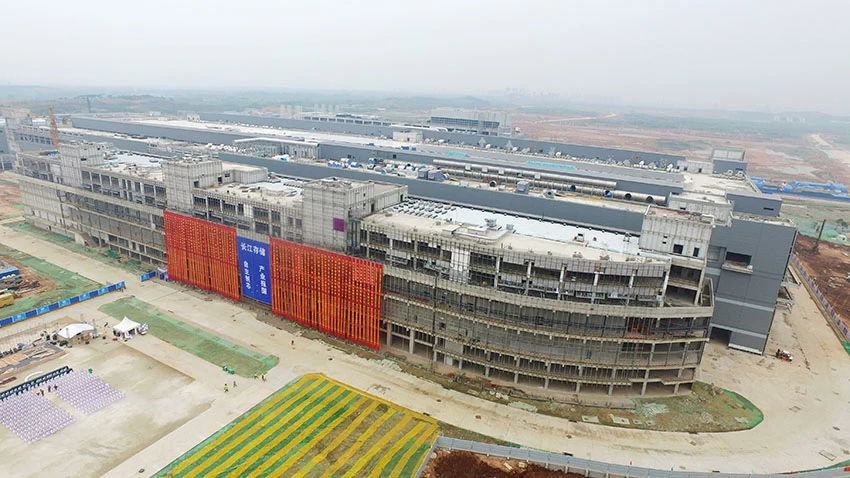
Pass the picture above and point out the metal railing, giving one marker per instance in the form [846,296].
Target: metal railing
[554,461]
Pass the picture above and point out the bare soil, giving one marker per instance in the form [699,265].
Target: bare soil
[463,464]
[10,196]
[776,159]
[829,268]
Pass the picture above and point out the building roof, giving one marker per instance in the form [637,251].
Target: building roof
[518,233]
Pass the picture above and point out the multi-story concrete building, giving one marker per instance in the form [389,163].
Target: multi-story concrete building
[597,188]
[548,305]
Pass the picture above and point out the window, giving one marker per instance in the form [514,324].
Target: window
[696,251]
[734,257]
[678,248]
[714,253]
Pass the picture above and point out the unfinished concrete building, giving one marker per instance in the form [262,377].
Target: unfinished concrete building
[543,304]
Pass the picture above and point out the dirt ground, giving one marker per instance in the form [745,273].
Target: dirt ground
[46,284]
[780,159]
[10,196]
[829,268]
[463,464]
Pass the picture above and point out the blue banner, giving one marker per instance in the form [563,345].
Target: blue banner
[254,269]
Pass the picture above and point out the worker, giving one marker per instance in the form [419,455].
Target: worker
[225,388]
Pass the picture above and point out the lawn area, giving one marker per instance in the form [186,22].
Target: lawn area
[67,283]
[196,341]
[106,257]
[312,427]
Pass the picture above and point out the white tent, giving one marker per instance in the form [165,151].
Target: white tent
[125,326]
[73,330]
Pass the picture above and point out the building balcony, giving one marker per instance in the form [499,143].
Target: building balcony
[740,267]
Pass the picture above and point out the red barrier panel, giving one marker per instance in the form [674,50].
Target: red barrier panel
[330,292]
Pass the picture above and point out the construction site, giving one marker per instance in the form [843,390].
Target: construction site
[647,284]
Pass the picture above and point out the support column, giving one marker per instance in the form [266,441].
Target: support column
[412,345]
[643,387]
[611,386]
[460,364]
[528,277]
[487,371]
[632,280]
[546,379]
[496,276]
[516,374]
[389,334]
[596,278]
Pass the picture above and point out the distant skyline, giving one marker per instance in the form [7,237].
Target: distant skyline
[755,55]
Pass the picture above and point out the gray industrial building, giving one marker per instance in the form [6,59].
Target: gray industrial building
[596,188]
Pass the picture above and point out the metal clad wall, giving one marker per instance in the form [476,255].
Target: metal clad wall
[254,267]
[574,213]
[575,150]
[331,292]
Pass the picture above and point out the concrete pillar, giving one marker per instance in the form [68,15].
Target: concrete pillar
[487,371]
[651,353]
[578,387]
[528,277]
[666,280]
[645,378]
[546,383]
[516,374]
[412,345]
[596,278]
[496,276]
[460,364]
[434,359]
[611,386]
[632,280]
[676,388]
[389,334]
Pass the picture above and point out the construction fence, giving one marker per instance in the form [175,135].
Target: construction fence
[60,304]
[595,469]
[814,288]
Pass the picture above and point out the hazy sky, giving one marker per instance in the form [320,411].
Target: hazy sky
[717,53]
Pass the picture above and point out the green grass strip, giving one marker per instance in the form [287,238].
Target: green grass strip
[68,284]
[349,397]
[275,424]
[290,389]
[198,342]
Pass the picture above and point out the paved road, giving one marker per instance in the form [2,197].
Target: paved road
[817,385]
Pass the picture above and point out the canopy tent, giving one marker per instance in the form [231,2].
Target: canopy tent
[74,330]
[125,326]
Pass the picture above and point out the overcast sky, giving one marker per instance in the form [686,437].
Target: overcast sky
[735,54]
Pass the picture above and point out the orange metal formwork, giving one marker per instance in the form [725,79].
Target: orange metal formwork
[330,292]
[202,254]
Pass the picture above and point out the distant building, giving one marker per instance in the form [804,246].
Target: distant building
[493,123]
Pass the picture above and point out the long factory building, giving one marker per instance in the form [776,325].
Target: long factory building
[543,270]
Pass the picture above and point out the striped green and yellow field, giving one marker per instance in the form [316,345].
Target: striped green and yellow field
[314,427]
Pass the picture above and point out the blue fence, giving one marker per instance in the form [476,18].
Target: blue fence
[149,275]
[62,303]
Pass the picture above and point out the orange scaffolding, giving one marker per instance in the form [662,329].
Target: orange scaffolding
[334,293]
